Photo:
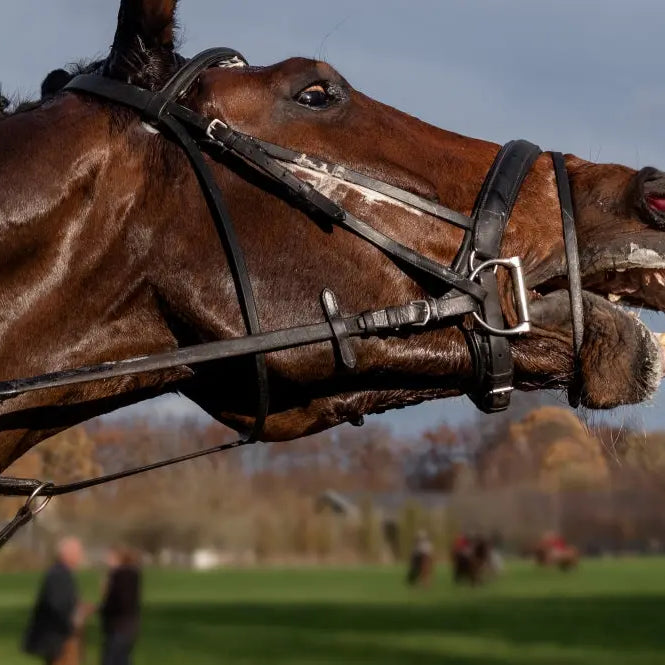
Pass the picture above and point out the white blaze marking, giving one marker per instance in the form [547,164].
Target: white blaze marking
[329,183]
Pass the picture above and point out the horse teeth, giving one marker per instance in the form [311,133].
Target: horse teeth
[660,337]
[614,298]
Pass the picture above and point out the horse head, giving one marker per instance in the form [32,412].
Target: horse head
[108,250]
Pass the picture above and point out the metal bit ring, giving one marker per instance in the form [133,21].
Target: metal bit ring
[34,496]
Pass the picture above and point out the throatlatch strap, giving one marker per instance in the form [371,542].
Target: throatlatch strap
[236,258]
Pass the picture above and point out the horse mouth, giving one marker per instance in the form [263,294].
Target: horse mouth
[630,286]
[621,361]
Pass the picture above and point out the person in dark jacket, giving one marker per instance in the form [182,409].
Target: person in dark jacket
[120,608]
[52,632]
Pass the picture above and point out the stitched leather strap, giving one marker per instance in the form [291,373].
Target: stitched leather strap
[237,263]
[493,210]
[576,387]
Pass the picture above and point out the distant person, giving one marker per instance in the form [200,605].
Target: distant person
[496,563]
[120,608]
[54,630]
[422,561]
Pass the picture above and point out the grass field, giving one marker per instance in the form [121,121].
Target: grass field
[610,612]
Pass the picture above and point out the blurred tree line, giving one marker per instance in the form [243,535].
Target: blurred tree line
[517,478]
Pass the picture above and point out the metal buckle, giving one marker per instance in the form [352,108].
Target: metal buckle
[216,123]
[519,289]
[428,313]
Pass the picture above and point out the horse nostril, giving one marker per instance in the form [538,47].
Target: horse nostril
[652,195]
[656,203]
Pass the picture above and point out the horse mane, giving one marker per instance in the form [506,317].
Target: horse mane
[4,104]
[52,84]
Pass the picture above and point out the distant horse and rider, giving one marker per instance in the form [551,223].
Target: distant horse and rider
[553,550]
[475,559]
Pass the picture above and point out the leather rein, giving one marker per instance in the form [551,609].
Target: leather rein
[468,287]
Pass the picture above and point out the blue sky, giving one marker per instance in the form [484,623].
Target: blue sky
[581,76]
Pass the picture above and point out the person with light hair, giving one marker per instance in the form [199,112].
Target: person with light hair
[58,615]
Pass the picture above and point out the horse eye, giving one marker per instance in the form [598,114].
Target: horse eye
[317,97]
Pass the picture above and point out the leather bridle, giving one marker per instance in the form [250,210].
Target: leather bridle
[468,287]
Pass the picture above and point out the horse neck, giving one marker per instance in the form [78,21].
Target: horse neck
[71,292]
[45,145]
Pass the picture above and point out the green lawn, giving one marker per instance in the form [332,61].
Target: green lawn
[606,613]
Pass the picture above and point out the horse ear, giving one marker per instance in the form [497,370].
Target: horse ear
[54,82]
[143,51]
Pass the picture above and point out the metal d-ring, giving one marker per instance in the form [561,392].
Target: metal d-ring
[514,265]
[34,496]
[475,270]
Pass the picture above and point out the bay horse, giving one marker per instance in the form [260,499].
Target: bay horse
[108,250]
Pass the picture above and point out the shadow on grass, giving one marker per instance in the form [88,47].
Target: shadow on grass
[291,632]
[402,634]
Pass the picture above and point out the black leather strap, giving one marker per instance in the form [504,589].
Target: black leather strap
[413,318]
[353,177]
[576,387]
[22,517]
[339,330]
[492,212]
[27,487]
[185,77]
[499,195]
[231,244]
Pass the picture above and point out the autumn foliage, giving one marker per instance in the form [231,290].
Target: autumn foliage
[547,470]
